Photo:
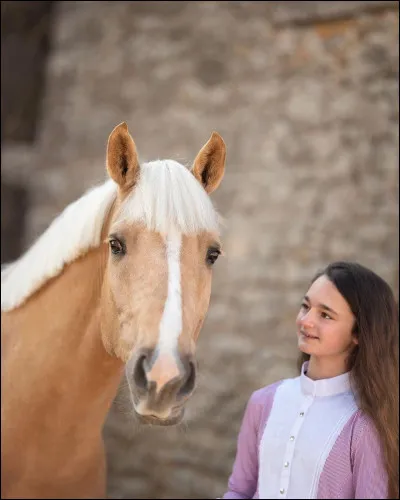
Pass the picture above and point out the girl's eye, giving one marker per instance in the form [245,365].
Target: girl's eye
[116,247]
[326,316]
[304,305]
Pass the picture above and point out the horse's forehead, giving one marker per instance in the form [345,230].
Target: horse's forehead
[127,227]
[137,234]
[188,242]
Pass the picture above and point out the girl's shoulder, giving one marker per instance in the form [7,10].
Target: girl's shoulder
[261,399]
[260,404]
[361,424]
[268,391]
[363,427]
[361,433]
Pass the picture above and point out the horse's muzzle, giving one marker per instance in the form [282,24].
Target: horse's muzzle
[160,385]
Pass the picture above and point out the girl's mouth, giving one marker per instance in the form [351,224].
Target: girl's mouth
[308,336]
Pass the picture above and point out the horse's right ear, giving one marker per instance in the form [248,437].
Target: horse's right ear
[122,159]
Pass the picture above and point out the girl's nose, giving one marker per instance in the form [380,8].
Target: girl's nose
[307,320]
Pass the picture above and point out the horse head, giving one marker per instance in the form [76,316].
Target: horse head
[163,242]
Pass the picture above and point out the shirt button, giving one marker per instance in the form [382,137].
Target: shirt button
[282,491]
[291,438]
[302,414]
[286,464]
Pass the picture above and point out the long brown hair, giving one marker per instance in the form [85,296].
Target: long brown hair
[374,362]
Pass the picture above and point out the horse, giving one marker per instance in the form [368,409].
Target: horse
[118,284]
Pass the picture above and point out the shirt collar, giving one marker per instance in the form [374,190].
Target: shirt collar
[324,387]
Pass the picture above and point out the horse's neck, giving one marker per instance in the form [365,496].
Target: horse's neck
[53,353]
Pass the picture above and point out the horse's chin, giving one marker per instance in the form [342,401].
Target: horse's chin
[173,419]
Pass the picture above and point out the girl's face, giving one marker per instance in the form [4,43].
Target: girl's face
[325,321]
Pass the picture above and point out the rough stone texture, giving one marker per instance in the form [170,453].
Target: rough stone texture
[14,205]
[25,33]
[309,12]
[310,118]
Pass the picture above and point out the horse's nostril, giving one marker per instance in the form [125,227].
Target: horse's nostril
[189,384]
[139,374]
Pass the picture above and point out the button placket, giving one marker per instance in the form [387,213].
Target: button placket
[287,461]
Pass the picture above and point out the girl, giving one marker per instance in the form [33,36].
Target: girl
[332,432]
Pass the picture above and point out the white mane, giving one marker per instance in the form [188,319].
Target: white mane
[166,194]
[71,234]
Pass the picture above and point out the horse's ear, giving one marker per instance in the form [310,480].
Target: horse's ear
[209,165]
[122,158]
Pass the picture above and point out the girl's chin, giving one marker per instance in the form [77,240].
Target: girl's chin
[305,347]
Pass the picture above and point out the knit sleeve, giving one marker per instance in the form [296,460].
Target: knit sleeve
[243,480]
[369,472]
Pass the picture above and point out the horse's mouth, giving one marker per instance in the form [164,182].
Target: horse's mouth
[174,419]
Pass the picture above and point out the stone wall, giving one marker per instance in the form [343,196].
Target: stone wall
[308,106]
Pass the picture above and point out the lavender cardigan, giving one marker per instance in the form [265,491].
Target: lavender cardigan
[307,439]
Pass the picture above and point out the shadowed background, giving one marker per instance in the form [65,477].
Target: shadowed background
[305,95]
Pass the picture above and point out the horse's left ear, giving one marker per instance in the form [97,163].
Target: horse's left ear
[209,165]
[122,158]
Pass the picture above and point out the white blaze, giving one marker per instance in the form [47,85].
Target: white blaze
[171,320]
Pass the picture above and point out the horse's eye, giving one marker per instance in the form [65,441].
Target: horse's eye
[117,248]
[212,255]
